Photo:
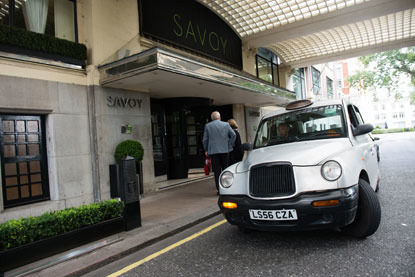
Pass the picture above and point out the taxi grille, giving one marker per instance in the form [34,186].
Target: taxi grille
[271,180]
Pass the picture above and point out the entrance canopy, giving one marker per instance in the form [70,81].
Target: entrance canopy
[164,74]
[307,32]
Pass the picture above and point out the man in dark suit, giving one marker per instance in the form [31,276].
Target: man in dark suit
[218,139]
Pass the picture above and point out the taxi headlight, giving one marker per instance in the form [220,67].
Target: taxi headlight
[226,179]
[331,171]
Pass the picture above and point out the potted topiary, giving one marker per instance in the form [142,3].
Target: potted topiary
[130,148]
[126,148]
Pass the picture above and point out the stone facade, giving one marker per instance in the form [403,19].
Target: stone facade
[83,118]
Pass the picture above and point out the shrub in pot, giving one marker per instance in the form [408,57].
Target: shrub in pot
[129,148]
[126,148]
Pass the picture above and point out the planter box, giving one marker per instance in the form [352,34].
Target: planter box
[115,172]
[126,184]
[42,55]
[31,252]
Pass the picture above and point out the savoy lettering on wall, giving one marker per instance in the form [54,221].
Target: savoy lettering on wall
[189,24]
[123,102]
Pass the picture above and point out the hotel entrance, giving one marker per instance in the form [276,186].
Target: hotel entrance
[173,83]
[177,125]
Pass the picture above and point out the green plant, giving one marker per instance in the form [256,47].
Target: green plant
[21,38]
[388,131]
[129,148]
[21,231]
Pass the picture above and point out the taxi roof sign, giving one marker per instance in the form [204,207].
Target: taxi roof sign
[298,104]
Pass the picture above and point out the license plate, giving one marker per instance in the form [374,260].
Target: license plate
[271,215]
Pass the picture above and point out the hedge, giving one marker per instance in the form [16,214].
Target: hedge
[21,231]
[394,130]
[12,36]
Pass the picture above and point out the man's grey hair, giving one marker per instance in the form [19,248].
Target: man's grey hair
[215,115]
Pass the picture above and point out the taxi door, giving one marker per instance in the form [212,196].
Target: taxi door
[365,146]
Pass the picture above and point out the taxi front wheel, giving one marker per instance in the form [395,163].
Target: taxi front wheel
[368,214]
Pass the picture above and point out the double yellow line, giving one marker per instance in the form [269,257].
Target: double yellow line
[168,248]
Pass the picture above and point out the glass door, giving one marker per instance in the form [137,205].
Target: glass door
[195,124]
[159,139]
[185,119]
[176,145]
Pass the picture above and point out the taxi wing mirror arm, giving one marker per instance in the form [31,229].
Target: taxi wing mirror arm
[247,146]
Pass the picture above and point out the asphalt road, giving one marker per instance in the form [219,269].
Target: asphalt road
[224,251]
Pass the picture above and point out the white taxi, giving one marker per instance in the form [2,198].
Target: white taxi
[311,166]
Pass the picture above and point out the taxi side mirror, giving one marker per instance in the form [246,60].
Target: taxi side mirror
[362,129]
[247,146]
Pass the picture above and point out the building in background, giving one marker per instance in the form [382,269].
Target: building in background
[381,107]
[317,82]
[390,113]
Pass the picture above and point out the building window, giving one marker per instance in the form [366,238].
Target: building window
[395,115]
[339,83]
[23,160]
[267,66]
[400,124]
[383,107]
[401,114]
[339,77]
[329,88]
[56,18]
[191,126]
[316,80]
[299,83]
[383,116]
[377,117]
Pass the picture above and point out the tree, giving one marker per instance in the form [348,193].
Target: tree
[362,79]
[412,97]
[384,70]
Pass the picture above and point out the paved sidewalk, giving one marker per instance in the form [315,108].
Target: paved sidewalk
[163,214]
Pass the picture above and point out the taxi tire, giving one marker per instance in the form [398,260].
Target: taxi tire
[368,214]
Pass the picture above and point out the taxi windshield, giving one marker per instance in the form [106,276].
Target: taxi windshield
[323,122]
